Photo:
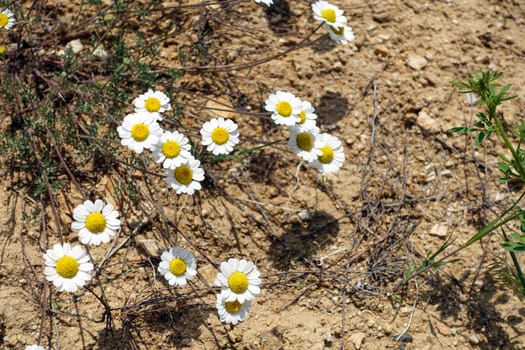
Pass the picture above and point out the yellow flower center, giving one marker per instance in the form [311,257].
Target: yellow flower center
[338,31]
[4,19]
[327,156]
[238,282]
[171,149]
[220,136]
[178,266]
[183,175]
[329,15]
[140,132]
[284,108]
[2,49]
[96,223]
[302,116]
[233,306]
[305,141]
[67,267]
[152,104]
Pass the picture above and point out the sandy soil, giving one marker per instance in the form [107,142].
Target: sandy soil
[332,252]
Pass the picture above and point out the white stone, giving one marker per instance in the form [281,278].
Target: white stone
[474,339]
[305,215]
[500,196]
[100,52]
[439,230]
[416,62]
[428,123]
[75,46]
[357,339]
[151,247]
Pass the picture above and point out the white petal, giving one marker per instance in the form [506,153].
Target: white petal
[77,226]
[86,267]
[254,289]
[59,250]
[50,272]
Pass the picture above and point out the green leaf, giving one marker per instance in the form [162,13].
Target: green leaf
[514,247]
[496,75]
[240,154]
[504,90]
[479,102]
[480,124]
[491,226]
[498,221]
[483,117]
[479,138]
[408,272]
[502,156]
[443,263]
[461,85]
[516,236]
[508,98]
[462,129]
[503,167]
[256,148]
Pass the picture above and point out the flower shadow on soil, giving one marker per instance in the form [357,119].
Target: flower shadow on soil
[154,318]
[278,16]
[303,239]
[323,44]
[483,318]
[332,107]
[267,168]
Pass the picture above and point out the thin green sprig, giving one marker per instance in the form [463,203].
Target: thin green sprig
[483,85]
[491,94]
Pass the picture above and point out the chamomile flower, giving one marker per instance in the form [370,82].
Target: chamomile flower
[172,149]
[341,35]
[232,311]
[139,131]
[67,267]
[95,222]
[302,142]
[220,135]
[177,265]
[307,116]
[186,177]
[7,19]
[154,102]
[266,2]
[285,107]
[239,280]
[332,157]
[328,13]
[34,347]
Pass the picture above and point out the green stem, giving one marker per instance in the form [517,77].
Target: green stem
[516,262]
[496,223]
[501,132]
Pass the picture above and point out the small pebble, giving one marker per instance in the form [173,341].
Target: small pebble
[416,62]
[305,215]
[329,339]
[357,339]
[474,339]
[404,338]
[439,230]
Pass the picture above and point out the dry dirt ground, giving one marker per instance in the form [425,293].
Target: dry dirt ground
[332,252]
